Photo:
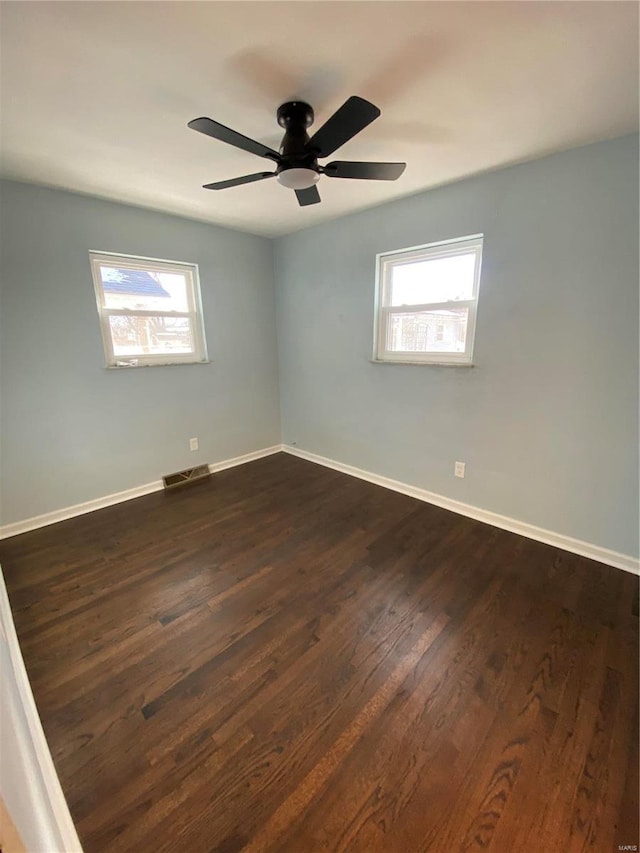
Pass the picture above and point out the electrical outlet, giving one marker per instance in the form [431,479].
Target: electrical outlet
[193,444]
[458,469]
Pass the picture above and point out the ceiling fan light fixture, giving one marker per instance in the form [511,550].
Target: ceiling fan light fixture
[298,179]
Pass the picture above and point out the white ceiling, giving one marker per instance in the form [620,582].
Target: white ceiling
[96,95]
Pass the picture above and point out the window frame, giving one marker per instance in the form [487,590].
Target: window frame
[385,263]
[194,312]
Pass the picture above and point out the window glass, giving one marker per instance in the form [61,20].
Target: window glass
[426,302]
[149,310]
[437,280]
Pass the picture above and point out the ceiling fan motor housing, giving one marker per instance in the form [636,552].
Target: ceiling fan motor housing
[296,117]
[299,166]
[295,114]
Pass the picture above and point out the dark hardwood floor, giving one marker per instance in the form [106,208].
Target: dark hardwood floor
[284,658]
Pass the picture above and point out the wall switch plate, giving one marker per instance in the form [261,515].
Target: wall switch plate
[193,444]
[458,469]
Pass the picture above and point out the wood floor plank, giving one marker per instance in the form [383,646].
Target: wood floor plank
[286,659]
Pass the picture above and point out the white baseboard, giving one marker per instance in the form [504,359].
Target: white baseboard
[47,518]
[247,457]
[549,537]
[118,497]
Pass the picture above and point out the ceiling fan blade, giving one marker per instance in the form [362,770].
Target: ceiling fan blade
[352,117]
[308,196]
[236,182]
[364,171]
[218,131]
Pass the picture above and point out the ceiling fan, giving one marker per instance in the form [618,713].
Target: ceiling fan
[297,161]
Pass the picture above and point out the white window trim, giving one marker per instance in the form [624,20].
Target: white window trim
[385,261]
[194,313]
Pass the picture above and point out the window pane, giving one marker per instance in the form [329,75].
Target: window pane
[151,335]
[437,280]
[145,290]
[428,331]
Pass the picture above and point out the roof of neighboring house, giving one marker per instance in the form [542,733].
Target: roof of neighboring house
[137,282]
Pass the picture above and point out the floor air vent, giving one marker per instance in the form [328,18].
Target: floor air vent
[181,478]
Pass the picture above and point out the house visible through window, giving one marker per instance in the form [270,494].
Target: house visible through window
[426,300]
[149,310]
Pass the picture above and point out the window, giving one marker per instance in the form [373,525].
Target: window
[426,300]
[150,310]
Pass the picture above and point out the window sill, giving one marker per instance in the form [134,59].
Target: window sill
[157,364]
[420,363]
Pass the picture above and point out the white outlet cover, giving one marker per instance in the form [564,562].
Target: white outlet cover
[193,444]
[459,469]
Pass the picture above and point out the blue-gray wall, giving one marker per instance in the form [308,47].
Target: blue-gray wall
[547,420]
[72,430]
